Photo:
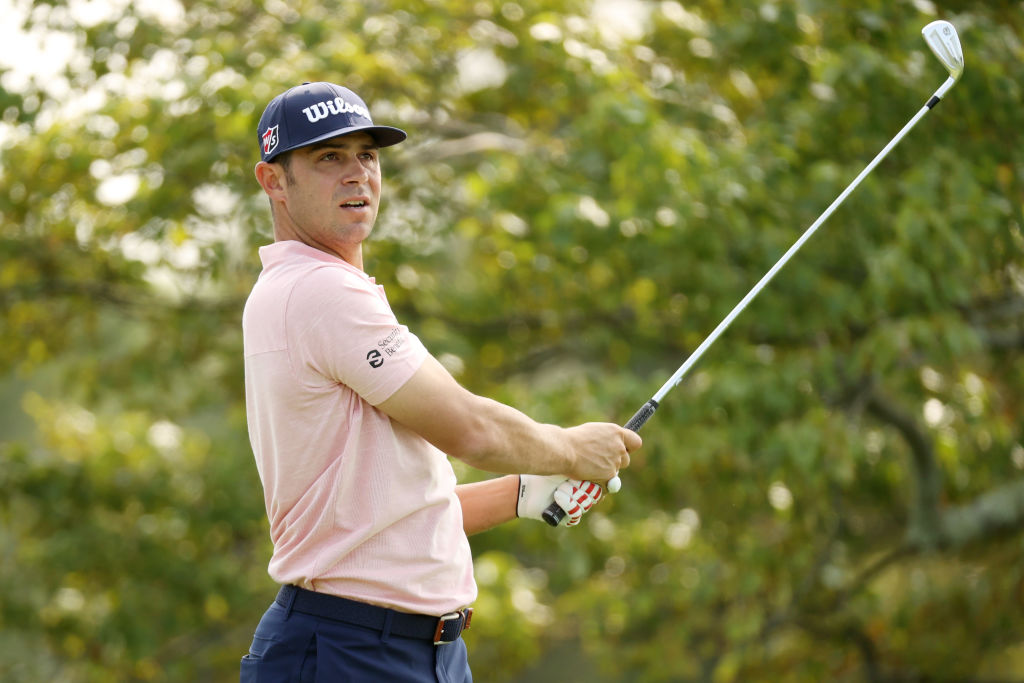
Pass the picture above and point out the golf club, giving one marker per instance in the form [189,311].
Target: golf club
[943,41]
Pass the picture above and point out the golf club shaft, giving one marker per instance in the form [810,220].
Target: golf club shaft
[722,326]
[554,514]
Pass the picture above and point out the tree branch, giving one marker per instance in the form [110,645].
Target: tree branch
[924,531]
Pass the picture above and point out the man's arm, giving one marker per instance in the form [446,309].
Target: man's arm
[486,504]
[497,438]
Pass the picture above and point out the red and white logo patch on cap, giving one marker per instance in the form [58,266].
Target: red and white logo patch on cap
[270,140]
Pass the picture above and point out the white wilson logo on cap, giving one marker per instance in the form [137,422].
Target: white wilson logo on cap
[336,106]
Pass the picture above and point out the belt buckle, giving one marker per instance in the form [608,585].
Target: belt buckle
[442,636]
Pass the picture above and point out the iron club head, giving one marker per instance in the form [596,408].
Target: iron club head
[945,44]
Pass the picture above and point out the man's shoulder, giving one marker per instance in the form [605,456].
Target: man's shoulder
[316,279]
[300,269]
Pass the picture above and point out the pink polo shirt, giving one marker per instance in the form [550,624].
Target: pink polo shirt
[359,506]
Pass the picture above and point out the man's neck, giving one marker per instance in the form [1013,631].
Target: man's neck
[350,254]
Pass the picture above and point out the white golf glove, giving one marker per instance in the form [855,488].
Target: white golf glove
[572,495]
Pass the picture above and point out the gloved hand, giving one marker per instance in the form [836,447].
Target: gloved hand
[572,495]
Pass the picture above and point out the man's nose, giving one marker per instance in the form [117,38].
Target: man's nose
[354,172]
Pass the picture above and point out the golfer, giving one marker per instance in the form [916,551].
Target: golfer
[352,421]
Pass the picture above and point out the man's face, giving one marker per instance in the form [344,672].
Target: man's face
[332,192]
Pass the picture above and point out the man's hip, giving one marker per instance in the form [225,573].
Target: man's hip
[306,635]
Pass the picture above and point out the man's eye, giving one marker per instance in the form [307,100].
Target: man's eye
[330,156]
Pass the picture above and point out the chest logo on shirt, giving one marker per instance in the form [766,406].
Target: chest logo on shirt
[376,360]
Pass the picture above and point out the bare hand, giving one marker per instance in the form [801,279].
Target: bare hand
[600,450]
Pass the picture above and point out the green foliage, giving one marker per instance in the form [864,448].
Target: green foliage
[832,495]
[114,518]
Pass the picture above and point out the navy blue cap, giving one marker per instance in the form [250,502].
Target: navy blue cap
[312,112]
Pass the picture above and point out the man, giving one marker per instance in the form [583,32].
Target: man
[351,419]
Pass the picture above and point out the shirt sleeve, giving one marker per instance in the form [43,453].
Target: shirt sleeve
[342,329]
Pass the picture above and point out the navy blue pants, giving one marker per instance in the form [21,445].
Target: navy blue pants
[291,646]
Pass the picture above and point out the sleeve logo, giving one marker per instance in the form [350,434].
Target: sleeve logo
[375,358]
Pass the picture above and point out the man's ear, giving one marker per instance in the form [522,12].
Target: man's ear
[271,179]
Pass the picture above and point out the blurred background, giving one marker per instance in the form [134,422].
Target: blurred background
[836,493]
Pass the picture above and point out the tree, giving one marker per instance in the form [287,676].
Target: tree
[834,494]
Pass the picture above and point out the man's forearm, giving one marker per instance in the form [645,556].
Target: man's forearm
[481,432]
[497,438]
[486,504]
[506,441]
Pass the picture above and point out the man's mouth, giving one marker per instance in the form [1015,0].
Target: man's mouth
[354,204]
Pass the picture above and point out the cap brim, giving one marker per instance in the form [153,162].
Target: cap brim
[384,136]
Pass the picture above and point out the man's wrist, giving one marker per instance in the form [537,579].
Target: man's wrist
[566,450]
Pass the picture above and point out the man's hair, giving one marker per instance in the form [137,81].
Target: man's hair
[285,159]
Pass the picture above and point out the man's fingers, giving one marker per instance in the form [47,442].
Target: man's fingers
[631,440]
[573,511]
[591,493]
[601,450]
[576,498]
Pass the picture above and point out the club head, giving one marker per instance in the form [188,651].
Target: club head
[945,44]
